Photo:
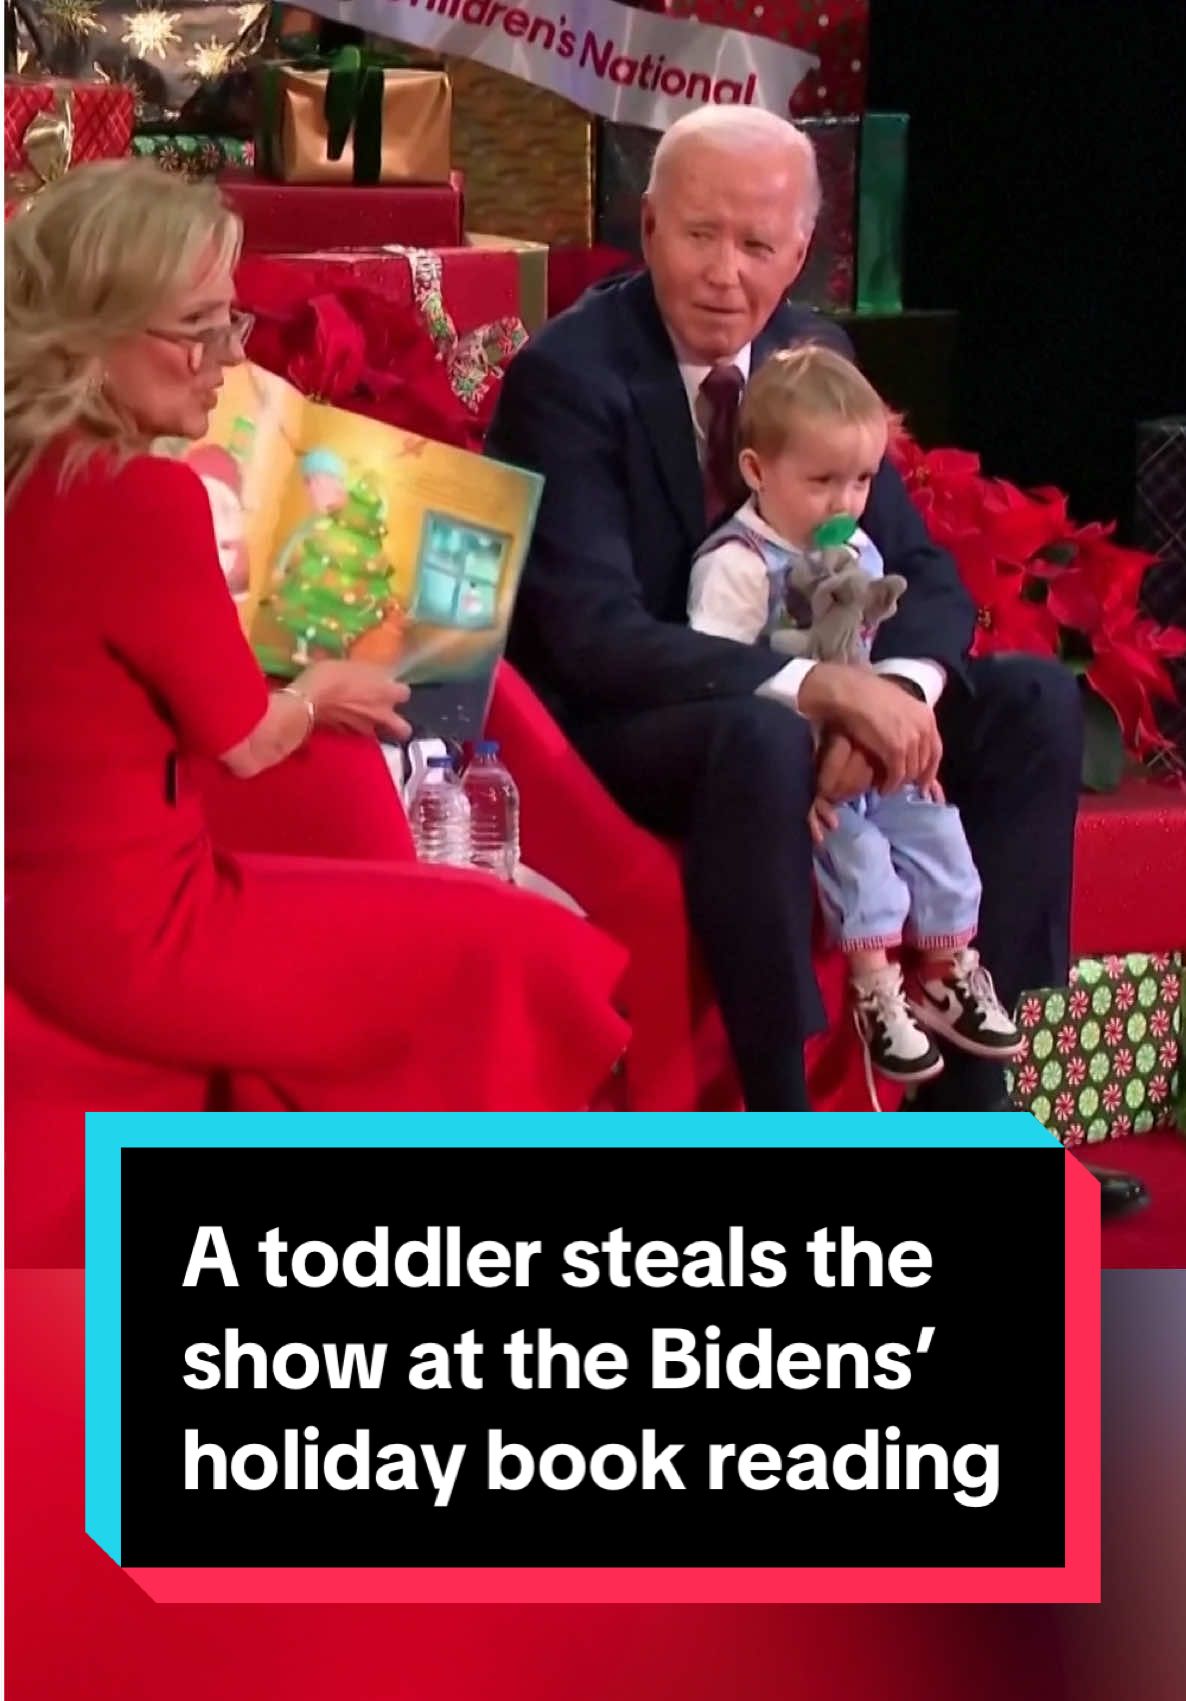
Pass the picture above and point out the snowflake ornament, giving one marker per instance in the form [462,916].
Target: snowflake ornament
[151,32]
[211,59]
[75,18]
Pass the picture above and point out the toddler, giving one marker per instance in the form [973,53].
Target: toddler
[891,869]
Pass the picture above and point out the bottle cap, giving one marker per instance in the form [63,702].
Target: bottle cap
[834,532]
[486,747]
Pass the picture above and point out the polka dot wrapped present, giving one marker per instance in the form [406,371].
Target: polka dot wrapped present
[1103,1056]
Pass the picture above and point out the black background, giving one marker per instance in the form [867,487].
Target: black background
[1047,202]
[993,1374]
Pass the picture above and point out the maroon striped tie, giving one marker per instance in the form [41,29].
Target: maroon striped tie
[718,401]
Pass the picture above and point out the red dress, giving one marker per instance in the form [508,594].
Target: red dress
[360,985]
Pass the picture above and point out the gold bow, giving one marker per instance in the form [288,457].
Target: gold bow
[48,144]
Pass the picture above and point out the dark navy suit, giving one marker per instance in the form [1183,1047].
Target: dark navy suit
[668,717]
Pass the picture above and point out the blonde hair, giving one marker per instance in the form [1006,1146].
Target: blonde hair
[92,260]
[809,381]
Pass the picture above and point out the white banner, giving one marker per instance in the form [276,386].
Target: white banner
[636,67]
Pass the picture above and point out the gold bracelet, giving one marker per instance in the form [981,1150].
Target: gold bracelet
[310,706]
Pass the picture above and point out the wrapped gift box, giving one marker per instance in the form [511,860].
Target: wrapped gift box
[183,64]
[1104,1054]
[1160,527]
[489,278]
[295,217]
[1130,870]
[624,154]
[526,154]
[835,31]
[392,124]
[100,117]
[881,212]
[195,156]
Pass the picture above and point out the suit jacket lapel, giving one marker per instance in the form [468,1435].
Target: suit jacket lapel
[779,332]
[662,402]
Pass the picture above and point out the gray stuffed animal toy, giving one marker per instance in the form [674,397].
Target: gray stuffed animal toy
[846,607]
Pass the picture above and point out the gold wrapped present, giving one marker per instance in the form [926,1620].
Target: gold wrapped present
[527,156]
[353,119]
[532,258]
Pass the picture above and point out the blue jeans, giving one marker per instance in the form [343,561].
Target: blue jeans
[898,868]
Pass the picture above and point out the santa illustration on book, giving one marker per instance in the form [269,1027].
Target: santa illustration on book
[221,473]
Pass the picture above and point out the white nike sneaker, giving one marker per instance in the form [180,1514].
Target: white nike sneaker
[962,1006]
[895,1045]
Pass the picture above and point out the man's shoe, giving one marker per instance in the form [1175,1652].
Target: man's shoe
[1119,1193]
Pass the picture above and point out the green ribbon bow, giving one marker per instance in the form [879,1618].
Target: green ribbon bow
[353,103]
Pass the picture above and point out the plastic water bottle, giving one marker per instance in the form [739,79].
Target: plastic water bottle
[493,812]
[439,815]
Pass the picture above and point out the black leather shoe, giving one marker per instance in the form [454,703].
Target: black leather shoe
[1119,1193]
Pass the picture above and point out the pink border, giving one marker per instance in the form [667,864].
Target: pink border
[1078,1580]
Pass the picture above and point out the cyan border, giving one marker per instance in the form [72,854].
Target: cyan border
[109,1133]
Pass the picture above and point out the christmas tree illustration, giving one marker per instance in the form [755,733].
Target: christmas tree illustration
[334,577]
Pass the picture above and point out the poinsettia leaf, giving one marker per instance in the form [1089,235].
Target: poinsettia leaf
[1103,744]
[1076,664]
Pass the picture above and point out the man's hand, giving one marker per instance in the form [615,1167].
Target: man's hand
[896,730]
[843,771]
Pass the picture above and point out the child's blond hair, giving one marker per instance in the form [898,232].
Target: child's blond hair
[806,382]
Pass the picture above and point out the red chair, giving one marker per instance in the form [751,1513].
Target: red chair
[629,883]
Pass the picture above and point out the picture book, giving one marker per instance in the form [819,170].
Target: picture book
[341,536]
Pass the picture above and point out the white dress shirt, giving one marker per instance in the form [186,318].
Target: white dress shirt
[735,612]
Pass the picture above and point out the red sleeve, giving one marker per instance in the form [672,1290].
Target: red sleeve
[167,611]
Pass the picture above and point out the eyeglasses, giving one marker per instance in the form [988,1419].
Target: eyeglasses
[213,340]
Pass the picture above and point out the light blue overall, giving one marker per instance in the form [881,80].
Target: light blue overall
[893,868]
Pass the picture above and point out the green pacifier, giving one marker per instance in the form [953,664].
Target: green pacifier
[834,532]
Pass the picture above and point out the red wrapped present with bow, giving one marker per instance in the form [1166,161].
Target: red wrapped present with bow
[280,218]
[372,333]
[51,125]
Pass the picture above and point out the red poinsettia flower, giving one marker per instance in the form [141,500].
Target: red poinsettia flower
[1004,619]
[1128,672]
[1086,574]
[1042,585]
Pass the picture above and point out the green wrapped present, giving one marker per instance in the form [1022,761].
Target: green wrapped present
[194,156]
[1103,1056]
[881,212]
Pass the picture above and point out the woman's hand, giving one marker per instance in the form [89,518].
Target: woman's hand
[355,696]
